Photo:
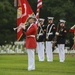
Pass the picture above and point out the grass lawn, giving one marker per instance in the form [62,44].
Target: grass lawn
[17,65]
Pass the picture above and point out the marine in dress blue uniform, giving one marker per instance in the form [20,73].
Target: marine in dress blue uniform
[50,34]
[61,38]
[40,40]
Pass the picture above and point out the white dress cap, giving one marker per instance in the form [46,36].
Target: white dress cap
[41,19]
[50,18]
[62,21]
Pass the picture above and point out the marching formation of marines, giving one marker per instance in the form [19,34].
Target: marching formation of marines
[48,35]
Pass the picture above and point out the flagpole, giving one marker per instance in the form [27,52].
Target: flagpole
[39,5]
[15,3]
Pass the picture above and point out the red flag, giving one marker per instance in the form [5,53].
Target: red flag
[24,10]
[19,20]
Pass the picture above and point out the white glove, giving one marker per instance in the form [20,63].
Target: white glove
[50,33]
[57,33]
[14,29]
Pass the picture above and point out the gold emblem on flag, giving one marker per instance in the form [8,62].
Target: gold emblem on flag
[19,12]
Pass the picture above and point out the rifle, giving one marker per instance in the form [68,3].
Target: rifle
[55,38]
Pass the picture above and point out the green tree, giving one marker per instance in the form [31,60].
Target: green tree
[7,21]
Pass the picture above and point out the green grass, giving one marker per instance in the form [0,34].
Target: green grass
[17,65]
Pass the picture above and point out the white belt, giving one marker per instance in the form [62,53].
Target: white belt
[31,36]
[49,33]
[40,34]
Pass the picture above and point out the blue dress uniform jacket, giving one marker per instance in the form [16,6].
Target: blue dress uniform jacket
[62,36]
[50,32]
[41,33]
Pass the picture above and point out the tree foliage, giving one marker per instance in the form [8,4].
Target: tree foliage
[7,21]
[60,9]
